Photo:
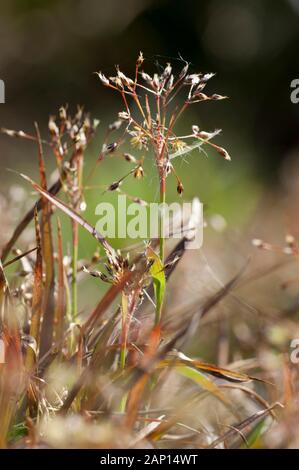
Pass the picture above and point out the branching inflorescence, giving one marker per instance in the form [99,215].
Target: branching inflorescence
[159,106]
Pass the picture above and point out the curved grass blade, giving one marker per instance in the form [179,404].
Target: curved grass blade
[73,214]
[259,415]
[37,295]
[158,276]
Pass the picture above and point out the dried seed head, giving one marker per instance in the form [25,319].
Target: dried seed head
[109,148]
[138,172]
[200,96]
[156,81]
[147,78]
[62,113]
[217,97]
[103,79]
[114,186]
[140,59]
[95,124]
[192,79]
[124,116]
[12,133]
[98,274]
[195,129]
[79,113]
[140,201]
[166,72]
[114,126]
[80,139]
[180,188]
[223,153]
[169,84]
[207,135]
[168,168]
[129,158]
[257,243]
[53,128]
[124,79]
[183,72]
[207,76]
[290,240]
[198,89]
[117,81]
[83,206]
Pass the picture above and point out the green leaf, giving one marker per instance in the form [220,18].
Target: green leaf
[158,276]
[203,381]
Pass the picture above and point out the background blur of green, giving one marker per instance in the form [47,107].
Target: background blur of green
[50,49]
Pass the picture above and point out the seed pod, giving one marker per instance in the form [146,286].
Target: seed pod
[167,71]
[125,80]
[156,81]
[140,201]
[207,76]
[192,79]
[290,240]
[62,113]
[184,71]
[124,116]
[257,243]
[147,78]
[180,188]
[53,128]
[201,96]
[114,126]
[217,97]
[223,152]
[109,148]
[170,82]
[129,158]
[103,79]
[138,172]
[168,168]
[140,59]
[114,186]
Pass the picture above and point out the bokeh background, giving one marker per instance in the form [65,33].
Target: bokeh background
[50,49]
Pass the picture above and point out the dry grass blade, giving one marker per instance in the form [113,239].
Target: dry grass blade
[252,394]
[104,303]
[210,369]
[17,258]
[37,295]
[73,214]
[243,425]
[46,336]
[11,371]
[60,301]
[54,189]
[136,393]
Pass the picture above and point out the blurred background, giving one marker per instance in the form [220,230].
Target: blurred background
[50,49]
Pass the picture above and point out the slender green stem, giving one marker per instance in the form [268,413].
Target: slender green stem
[74,270]
[161,233]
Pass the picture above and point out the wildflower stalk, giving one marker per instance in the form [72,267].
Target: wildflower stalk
[151,126]
[74,269]
[75,235]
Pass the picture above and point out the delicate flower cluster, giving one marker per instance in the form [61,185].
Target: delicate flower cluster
[150,123]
